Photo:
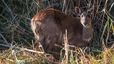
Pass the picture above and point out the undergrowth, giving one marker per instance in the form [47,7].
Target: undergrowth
[17,37]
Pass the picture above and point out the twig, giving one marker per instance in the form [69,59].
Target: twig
[22,49]
[108,14]
[14,55]
[9,10]
[4,39]
[23,17]
[25,49]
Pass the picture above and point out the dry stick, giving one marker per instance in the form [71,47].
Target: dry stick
[66,46]
[22,49]
[25,49]
[14,55]
[63,8]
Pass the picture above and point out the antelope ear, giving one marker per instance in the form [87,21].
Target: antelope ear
[77,10]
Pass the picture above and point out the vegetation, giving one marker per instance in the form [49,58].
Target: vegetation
[16,33]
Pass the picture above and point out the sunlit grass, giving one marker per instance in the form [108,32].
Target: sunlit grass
[15,30]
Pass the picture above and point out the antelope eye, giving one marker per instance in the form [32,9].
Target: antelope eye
[82,16]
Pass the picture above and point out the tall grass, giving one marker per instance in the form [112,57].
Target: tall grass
[15,32]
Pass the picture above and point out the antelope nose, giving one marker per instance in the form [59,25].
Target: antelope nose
[85,23]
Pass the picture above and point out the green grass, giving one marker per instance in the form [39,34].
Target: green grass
[15,29]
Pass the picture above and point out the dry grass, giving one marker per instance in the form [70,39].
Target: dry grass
[15,32]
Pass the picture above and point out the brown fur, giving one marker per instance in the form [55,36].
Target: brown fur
[49,26]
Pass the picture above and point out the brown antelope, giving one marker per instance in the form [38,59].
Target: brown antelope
[49,26]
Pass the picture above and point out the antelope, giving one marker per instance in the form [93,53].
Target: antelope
[49,26]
